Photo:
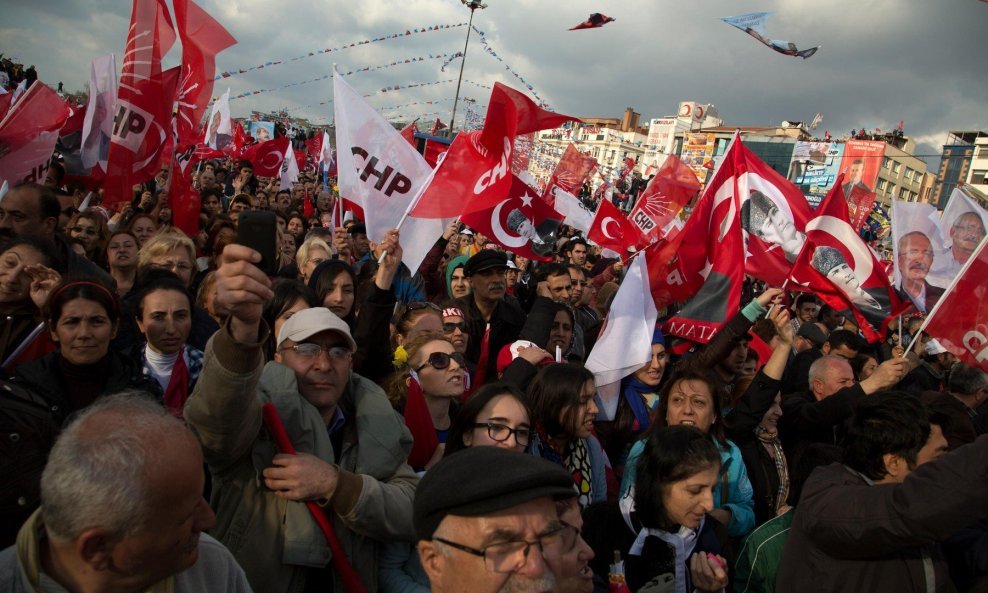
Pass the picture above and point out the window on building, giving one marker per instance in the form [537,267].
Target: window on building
[909,174]
[896,167]
[978,176]
[887,163]
[883,185]
[982,152]
[903,193]
[600,136]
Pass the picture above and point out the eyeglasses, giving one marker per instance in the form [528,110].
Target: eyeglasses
[500,433]
[452,327]
[174,267]
[507,557]
[309,350]
[440,361]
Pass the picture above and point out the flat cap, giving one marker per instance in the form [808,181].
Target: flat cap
[485,259]
[483,480]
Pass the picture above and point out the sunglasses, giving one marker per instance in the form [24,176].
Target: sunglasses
[440,361]
[452,327]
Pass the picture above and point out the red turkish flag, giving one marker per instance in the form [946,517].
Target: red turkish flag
[520,222]
[28,133]
[141,134]
[267,157]
[572,170]
[774,214]
[202,38]
[860,204]
[707,267]
[673,186]
[612,230]
[838,266]
[597,20]
[959,321]
[240,142]
[477,166]
[434,151]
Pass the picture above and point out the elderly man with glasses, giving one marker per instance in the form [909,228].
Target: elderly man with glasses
[496,529]
[352,446]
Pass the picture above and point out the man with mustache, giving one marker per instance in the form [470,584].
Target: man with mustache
[915,258]
[492,319]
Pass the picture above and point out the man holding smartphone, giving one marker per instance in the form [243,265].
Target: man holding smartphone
[351,444]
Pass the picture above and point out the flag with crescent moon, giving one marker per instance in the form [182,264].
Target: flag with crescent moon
[707,266]
[520,222]
[612,230]
[477,166]
[838,266]
[267,157]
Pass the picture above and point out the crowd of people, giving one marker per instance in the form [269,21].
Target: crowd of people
[355,426]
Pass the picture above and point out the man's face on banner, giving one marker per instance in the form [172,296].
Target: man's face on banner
[915,257]
[966,234]
[855,172]
[843,276]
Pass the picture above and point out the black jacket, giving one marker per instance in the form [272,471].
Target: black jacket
[507,320]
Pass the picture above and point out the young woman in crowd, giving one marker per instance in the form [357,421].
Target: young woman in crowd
[334,283]
[662,529]
[457,284]
[164,317]
[455,327]
[290,297]
[414,319]
[563,410]
[90,228]
[23,260]
[121,259]
[424,390]
[633,414]
[495,416]
[691,398]
[82,318]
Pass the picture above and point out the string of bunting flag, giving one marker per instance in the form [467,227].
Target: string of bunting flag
[492,53]
[271,64]
[396,88]
[349,73]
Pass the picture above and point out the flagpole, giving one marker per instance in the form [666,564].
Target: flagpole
[411,205]
[473,5]
[953,283]
[772,305]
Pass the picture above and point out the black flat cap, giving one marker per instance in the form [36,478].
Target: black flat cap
[813,333]
[485,260]
[482,480]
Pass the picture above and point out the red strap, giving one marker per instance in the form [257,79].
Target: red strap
[349,576]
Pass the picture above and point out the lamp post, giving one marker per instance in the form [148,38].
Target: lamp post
[473,5]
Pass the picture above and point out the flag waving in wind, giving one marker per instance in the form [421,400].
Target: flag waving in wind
[612,230]
[28,133]
[673,186]
[382,173]
[838,266]
[753,24]
[959,321]
[477,166]
[521,222]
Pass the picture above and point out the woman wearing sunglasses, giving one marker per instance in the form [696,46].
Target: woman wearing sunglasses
[424,390]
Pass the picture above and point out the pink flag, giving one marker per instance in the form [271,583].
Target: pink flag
[28,134]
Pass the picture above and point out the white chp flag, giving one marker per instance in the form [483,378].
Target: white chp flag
[97,127]
[289,169]
[625,343]
[219,123]
[382,173]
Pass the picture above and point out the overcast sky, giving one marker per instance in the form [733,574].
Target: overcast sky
[881,61]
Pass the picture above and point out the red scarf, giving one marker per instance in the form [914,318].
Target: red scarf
[178,386]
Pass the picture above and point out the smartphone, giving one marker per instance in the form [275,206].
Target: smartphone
[258,230]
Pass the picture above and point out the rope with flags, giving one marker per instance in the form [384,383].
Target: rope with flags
[273,63]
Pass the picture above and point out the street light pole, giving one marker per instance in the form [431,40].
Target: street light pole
[473,5]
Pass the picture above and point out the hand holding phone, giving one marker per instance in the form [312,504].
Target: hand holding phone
[258,229]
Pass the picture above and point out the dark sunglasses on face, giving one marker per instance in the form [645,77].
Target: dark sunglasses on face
[440,361]
[452,327]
